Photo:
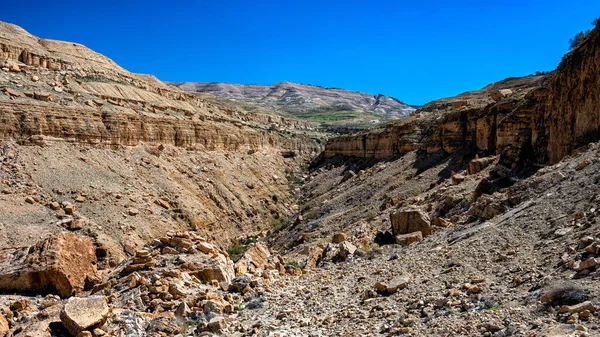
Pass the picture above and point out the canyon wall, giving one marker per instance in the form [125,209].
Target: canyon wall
[537,121]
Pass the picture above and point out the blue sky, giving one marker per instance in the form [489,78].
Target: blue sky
[416,51]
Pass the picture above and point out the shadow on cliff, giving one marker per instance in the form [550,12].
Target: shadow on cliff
[456,162]
[350,163]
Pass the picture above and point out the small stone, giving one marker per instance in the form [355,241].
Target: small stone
[162,203]
[76,224]
[410,238]
[381,287]
[217,324]
[70,208]
[589,263]
[339,237]
[182,310]
[577,308]
[457,179]
[169,250]
[347,249]
[30,200]
[398,283]
[562,231]
[133,211]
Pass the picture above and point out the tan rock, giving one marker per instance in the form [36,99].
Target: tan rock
[315,254]
[410,220]
[4,327]
[479,164]
[13,93]
[182,310]
[217,272]
[440,222]
[339,237]
[84,313]
[457,179]
[216,324]
[162,203]
[347,249]
[70,208]
[589,263]
[407,239]
[500,94]
[258,255]
[379,286]
[577,308]
[206,247]
[60,265]
[211,306]
[398,283]
[42,96]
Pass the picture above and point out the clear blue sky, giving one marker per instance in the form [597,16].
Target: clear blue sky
[415,51]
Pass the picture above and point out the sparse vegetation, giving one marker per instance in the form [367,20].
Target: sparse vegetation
[238,249]
[99,78]
[294,264]
[277,222]
[576,40]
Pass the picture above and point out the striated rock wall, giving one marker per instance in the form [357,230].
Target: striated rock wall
[25,121]
[568,114]
[540,122]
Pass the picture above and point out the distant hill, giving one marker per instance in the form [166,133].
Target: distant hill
[326,105]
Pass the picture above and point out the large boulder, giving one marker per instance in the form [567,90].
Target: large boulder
[254,258]
[410,220]
[84,313]
[500,94]
[209,268]
[60,265]
[258,255]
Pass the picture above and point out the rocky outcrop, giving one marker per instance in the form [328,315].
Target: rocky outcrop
[567,115]
[410,220]
[524,120]
[61,264]
[27,122]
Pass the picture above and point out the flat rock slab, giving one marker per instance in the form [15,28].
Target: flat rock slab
[84,313]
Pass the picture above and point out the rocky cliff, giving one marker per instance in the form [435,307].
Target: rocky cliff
[533,119]
[220,170]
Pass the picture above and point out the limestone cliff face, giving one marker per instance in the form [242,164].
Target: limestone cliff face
[30,123]
[122,141]
[568,114]
[532,119]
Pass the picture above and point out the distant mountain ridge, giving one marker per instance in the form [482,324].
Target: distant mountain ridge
[299,99]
